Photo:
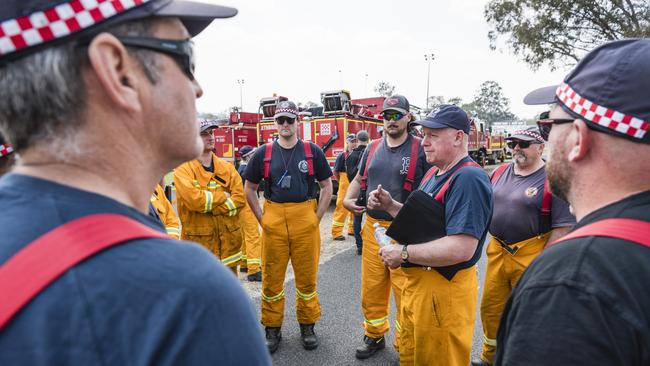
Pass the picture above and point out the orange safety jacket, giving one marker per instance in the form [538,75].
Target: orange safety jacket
[203,196]
[166,212]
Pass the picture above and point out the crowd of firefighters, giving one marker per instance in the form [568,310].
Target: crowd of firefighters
[218,207]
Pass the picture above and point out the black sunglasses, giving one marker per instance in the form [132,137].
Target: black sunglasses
[546,124]
[282,120]
[522,144]
[182,51]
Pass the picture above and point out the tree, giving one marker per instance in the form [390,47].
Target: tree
[384,89]
[438,100]
[560,32]
[490,104]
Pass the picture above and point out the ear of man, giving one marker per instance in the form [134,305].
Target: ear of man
[580,140]
[116,72]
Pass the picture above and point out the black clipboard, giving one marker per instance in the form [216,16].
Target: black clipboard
[420,220]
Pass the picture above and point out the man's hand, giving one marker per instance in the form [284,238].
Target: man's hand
[380,199]
[391,255]
[350,205]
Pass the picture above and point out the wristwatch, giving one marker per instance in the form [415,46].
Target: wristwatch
[405,253]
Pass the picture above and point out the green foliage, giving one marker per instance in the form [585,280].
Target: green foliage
[559,32]
[490,104]
[384,89]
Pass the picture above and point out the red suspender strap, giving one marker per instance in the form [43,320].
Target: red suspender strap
[635,231]
[371,151]
[410,176]
[268,151]
[309,157]
[346,154]
[440,196]
[498,172]
[545,216]
[41,262]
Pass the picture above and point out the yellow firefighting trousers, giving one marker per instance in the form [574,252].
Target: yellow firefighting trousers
[437,317]
[340,213]
[503,271]
[290,231]
[376,282]
[251,247]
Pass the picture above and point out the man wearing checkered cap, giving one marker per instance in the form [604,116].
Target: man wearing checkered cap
[99,101]
[6,156]
[585,299]
[525,218]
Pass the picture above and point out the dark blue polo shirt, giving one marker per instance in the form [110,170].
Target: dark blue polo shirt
[146,302]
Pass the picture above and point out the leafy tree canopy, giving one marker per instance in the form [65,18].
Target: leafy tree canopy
[384,89]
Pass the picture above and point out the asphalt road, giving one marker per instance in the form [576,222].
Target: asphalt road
[341,326]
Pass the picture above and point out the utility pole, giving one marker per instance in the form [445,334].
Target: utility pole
[428,58]
[241,103]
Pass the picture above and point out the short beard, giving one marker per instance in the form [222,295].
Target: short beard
[559,176]
[521,159]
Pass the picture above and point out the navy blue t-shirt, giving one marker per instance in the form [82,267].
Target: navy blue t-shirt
[339,164]
[145,302]
[293,162]
[468,205]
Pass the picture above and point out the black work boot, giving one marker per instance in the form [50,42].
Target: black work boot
[308,337]
[480,362]
[370,347]
[255,277]
[273,338]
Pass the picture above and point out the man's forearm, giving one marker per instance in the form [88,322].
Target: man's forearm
[253,202]
[445,251]
[324,198]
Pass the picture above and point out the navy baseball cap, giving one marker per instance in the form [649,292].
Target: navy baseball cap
[26,26]
[608,89]
[446,116]
[246,150]
[351,137]
[397,103]
[286,109]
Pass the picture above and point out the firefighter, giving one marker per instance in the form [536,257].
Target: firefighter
[290,223]
[351,168]
[397,162]
[7,157]
[526,217]
[210,196]
[585,299]
[340,213]
[251,248]
[441,287]
[165,212]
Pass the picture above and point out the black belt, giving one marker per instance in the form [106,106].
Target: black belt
[510,249]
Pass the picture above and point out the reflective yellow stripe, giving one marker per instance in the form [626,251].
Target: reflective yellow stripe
[254,261]
[489,341]
[398,327]
[305,296]
[153,198]
[196,184]
[376,322]
[208,201]
[273,298]
[232,209]
[213,185]
[232,259]
[243,257]
[173,230]
[337,223]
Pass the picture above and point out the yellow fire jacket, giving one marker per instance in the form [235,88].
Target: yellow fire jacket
[166,212]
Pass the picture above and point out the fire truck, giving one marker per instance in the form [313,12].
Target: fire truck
[485,147]
[240,130]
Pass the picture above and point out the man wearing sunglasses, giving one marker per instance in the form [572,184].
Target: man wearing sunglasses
[525,218]
[585,299]
[397,163]
[86,276]
[290,223]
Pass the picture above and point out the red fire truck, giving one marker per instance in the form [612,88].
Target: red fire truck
[240,130]
[485,147]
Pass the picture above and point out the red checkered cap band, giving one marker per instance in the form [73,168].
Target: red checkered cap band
[532,134]
[280,110]
[606,117]
[57,22]
[6,149]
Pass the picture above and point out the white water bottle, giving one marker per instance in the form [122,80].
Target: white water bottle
[380,235]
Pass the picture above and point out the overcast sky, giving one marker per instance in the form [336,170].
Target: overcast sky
[300,48]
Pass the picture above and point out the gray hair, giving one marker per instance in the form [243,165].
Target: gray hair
[44,95]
